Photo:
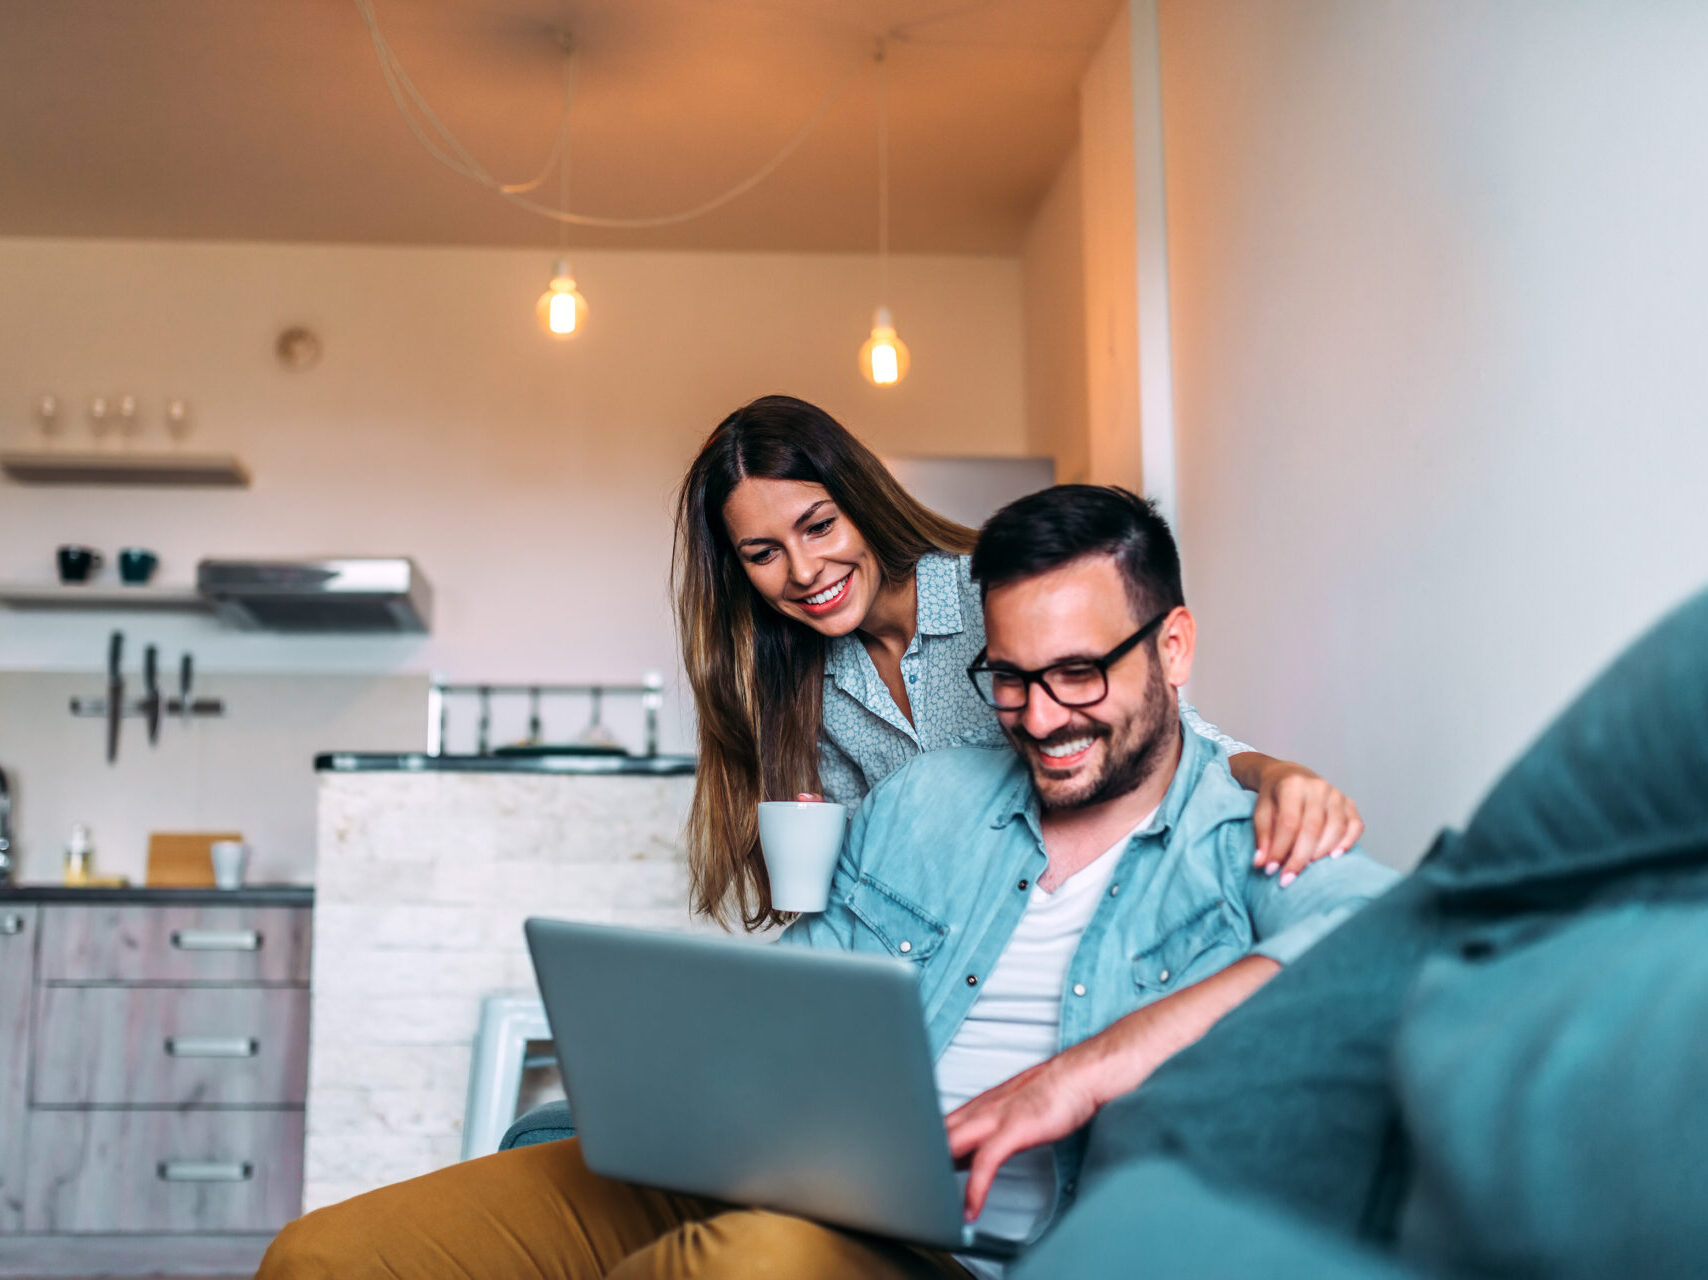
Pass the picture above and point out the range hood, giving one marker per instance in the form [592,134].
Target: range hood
[365,595]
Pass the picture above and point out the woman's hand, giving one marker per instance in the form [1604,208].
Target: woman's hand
[1300,816]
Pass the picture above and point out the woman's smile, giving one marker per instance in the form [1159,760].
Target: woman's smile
[830,599]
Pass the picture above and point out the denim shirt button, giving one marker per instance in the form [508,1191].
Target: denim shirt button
[1163,976]
[972,979]
[905,947]
[1079,988]
[1024,885]
[1114,890]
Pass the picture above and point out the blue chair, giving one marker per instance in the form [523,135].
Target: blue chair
[549,1123]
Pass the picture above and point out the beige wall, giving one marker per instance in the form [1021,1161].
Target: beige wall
[1052,274]
[1111,260]
[1438,277]
[530,479]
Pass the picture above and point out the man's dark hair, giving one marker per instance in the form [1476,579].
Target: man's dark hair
[1055,526]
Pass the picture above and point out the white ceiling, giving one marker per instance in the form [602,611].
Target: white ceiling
[269,119]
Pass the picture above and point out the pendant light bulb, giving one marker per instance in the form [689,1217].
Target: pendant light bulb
[562,309]
[883,358]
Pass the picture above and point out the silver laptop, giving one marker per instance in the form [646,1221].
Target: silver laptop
[761,1075]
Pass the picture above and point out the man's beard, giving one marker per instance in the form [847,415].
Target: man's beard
[1134,749]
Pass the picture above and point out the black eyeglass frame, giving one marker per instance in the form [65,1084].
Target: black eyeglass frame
[1038,676]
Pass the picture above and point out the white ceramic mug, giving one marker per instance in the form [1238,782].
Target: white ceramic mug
[801,840]
[230,857]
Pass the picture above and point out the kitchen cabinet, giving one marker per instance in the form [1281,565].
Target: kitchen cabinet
[153,1071]
[17,984]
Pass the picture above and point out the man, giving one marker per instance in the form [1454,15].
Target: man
[1078,908]
[1091,891]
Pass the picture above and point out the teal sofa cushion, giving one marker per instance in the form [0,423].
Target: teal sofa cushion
[1557,1103]
[1615,785]
[1154,1219]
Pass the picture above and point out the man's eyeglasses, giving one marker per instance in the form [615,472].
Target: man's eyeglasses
[1083,682]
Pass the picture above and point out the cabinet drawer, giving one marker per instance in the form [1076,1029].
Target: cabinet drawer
[201,1046]
[174,944]
[163,1171]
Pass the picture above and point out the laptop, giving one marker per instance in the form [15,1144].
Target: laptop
[761,1075]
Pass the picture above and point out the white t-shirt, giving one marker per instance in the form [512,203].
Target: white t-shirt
[1016,1023]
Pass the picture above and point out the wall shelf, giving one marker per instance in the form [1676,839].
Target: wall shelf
[42,595]
[177,470]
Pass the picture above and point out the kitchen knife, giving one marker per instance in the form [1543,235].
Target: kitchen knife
[115,693]
[151,692]
[185,672]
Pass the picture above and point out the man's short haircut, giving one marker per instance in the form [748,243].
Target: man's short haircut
[1056,526]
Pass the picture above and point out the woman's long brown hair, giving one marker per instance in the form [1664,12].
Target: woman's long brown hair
[757,676]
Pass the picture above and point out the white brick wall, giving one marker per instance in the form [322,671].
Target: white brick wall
[422,884]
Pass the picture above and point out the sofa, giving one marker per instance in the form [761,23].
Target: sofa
[1493,1070]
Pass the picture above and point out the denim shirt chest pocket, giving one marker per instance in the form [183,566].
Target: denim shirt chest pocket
[896,924]
[1207,941]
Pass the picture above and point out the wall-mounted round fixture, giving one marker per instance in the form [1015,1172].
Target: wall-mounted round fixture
[297,348]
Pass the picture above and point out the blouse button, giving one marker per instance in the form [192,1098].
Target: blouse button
[905,947]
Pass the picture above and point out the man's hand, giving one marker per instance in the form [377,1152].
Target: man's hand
[1040,1105]
[1051,1100]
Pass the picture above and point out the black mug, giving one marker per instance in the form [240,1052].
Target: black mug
[78,564]
[137,565]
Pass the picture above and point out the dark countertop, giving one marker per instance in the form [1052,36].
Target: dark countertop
[253,895]
[416,762]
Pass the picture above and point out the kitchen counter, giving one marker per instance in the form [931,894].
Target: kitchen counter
[256,895]
[426,869]
[418,762]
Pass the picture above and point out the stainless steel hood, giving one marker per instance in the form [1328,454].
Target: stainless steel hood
[366,595]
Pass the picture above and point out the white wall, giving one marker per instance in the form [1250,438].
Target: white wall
[1438,294]
[530,479]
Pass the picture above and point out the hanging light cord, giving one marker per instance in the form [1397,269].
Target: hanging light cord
[883,177]
[440,143]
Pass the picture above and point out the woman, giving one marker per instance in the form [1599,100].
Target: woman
[827,621]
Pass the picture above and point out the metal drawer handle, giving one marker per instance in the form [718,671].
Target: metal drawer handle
[212,1046]
[10,925]
[204,1170]
[217,939]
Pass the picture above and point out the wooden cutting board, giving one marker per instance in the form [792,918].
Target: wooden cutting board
[182,859]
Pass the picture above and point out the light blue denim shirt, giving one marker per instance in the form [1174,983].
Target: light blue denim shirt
[866,737]
[939,860]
